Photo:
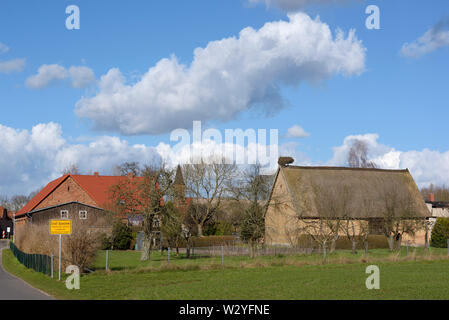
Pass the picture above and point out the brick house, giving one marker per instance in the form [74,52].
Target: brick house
[6,222]
[83,197]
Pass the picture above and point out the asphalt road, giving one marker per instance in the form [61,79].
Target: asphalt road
[12,288]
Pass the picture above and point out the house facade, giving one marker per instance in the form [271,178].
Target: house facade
[438,209]
[303,195]
[6,223]
[87,198]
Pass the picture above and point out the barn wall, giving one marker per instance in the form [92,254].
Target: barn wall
[280,219]
[95,216]
[68,191]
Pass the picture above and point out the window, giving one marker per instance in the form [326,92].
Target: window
[64,214]
[83,215]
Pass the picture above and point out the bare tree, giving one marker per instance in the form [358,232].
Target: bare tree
[254,188]
[172,225]
[207,183]
[358,155]
[398,215]
[441,193]
[127,168]
[4,202]
[18,202]
[144,195]
[331,205]
[355,230]
[71,169]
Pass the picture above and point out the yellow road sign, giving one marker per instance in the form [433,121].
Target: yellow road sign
[58,227]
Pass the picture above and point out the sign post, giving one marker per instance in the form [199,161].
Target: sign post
[60,227]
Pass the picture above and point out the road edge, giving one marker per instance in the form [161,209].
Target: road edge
[14,276]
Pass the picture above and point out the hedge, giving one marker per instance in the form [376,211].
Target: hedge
[343,243]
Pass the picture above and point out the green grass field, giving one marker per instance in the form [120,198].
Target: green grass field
[300,277]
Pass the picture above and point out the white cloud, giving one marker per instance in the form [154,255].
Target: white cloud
[295,5]
[81,76]
[226,77]
[297,132]
[30,159]
[433,39]
[47,75]
[10,66]
[426,166]
[3,48]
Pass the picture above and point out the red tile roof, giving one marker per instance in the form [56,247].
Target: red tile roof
[96,186]
[49,188]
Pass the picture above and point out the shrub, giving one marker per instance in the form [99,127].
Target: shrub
[209,241]
[132,246]
[121,236]
[106,242]
[343,243]
[440,233]
[78,249]
[220,228]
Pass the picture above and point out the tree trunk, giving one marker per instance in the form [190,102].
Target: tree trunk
[390,240]
[187,248]
[354,244]
[324,251]
[426,243]
[253,250]
[147,242]
[200,230]
[398,242]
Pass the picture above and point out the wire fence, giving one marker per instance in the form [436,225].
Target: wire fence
[216,251]
[37,262]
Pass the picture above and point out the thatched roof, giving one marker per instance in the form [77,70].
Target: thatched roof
[354,192]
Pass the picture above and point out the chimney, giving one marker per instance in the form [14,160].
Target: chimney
[431,197]
[96,174]
[130,175]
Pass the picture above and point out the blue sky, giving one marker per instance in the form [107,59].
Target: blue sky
[401,99]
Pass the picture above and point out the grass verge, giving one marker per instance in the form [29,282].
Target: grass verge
[417,278]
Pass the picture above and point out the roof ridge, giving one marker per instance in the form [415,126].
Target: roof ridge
[43,194]
[345,168]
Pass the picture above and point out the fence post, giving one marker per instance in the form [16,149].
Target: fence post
[448,247]
[222,255]
[59,260]
[107,260]
[168,255]
[52,265]
[366,248]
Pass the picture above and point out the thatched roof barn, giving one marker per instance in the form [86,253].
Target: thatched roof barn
[339,193]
